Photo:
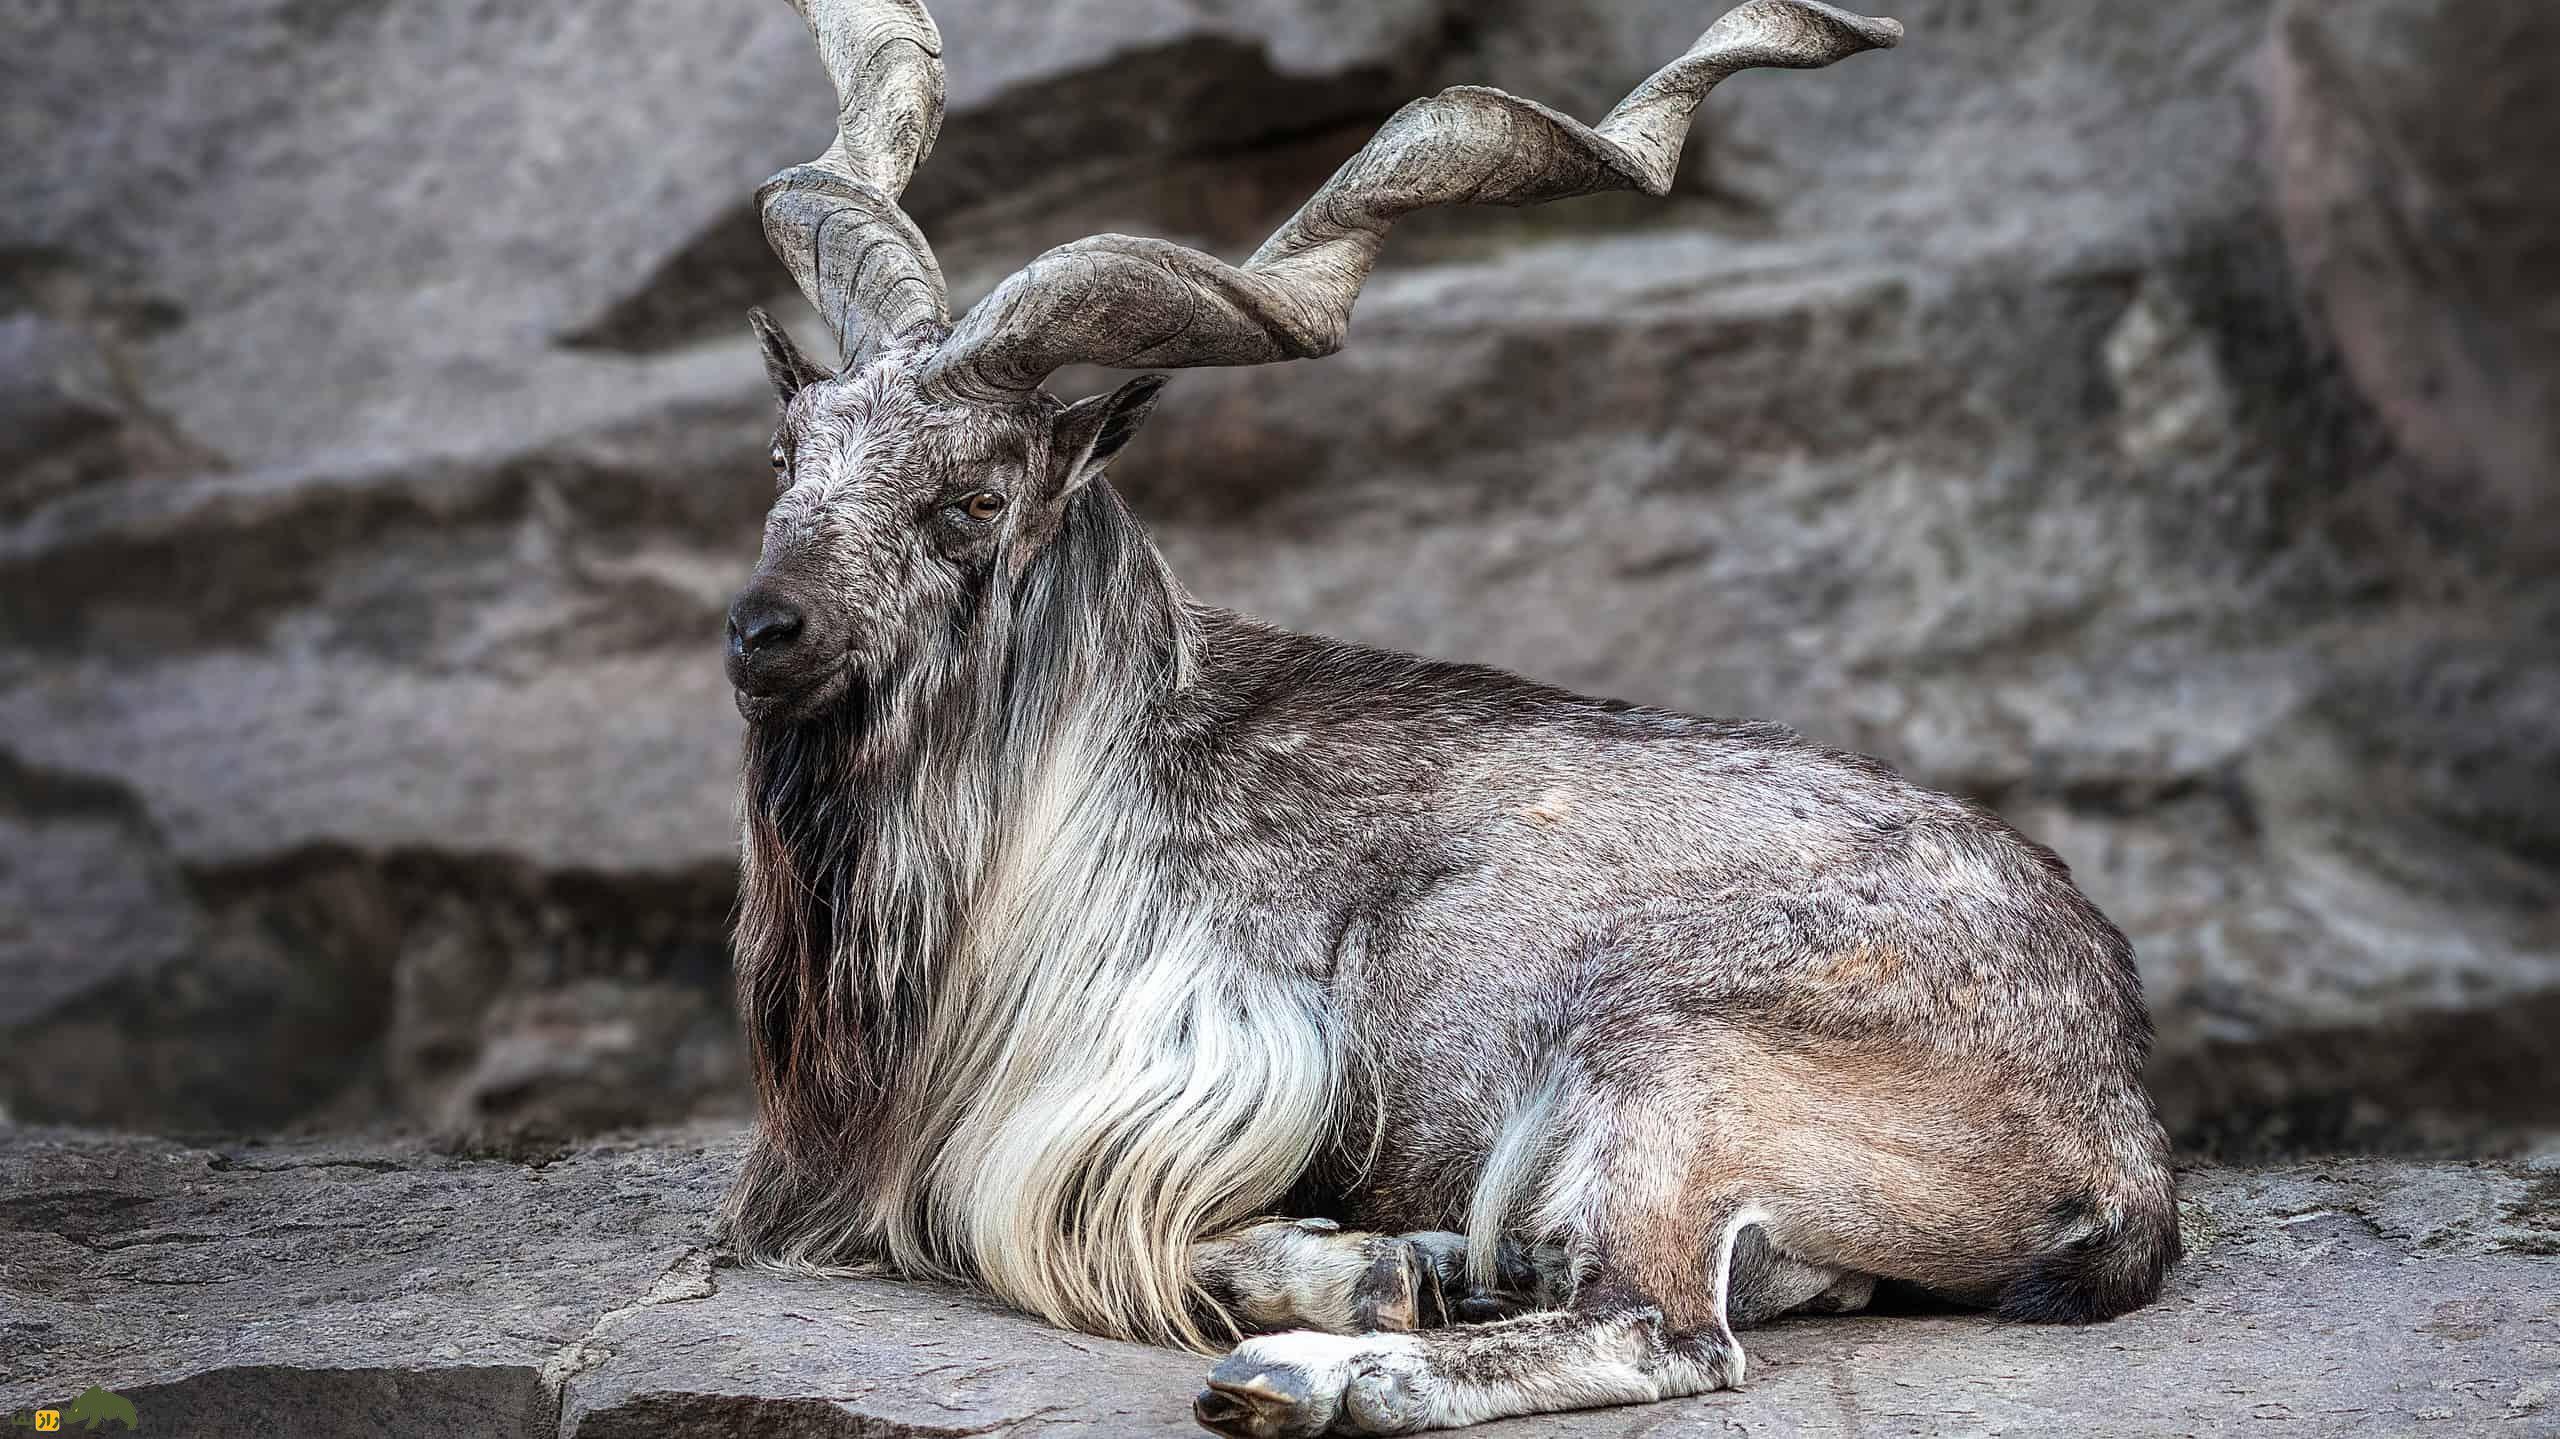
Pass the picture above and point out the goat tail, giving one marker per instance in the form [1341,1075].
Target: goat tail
[2116,1255]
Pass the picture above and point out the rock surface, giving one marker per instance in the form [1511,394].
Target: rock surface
[378,445]
[2392,121]
[367,1287]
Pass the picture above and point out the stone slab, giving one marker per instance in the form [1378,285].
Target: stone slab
[375,1287]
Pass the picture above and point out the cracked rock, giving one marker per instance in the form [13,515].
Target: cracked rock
[373,1287]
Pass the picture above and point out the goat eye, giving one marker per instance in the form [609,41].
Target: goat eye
[984,505]
[781,461]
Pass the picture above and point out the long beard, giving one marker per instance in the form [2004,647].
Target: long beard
[863,827]
[804,826]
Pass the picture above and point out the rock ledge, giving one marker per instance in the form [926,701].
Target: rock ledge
[374,1287]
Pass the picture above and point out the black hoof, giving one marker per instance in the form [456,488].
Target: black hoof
[1221,1412]
[1253,1403]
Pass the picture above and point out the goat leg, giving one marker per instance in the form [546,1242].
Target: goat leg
[1312,1274]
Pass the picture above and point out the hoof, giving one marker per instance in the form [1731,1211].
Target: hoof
[1251,1401]
[1398,1293]
[1420,1281]
[1283,1386]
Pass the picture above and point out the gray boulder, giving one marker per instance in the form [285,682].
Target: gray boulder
[2403,134]
[382,447]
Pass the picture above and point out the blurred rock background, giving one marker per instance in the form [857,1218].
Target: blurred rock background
[2143,417]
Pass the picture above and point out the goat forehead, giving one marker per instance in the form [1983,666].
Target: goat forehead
[874,435]
[851,446]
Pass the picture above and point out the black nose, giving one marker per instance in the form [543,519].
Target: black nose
[759,622]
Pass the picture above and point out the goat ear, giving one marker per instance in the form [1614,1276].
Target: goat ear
[1091,431]
[790,371]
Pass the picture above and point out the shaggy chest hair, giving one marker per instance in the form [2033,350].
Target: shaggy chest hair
[1002,1038]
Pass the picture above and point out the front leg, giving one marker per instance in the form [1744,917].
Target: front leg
[1611,1345]
[1615,1351]
[1312,1274]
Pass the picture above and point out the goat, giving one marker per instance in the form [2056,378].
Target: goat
[1086,928]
